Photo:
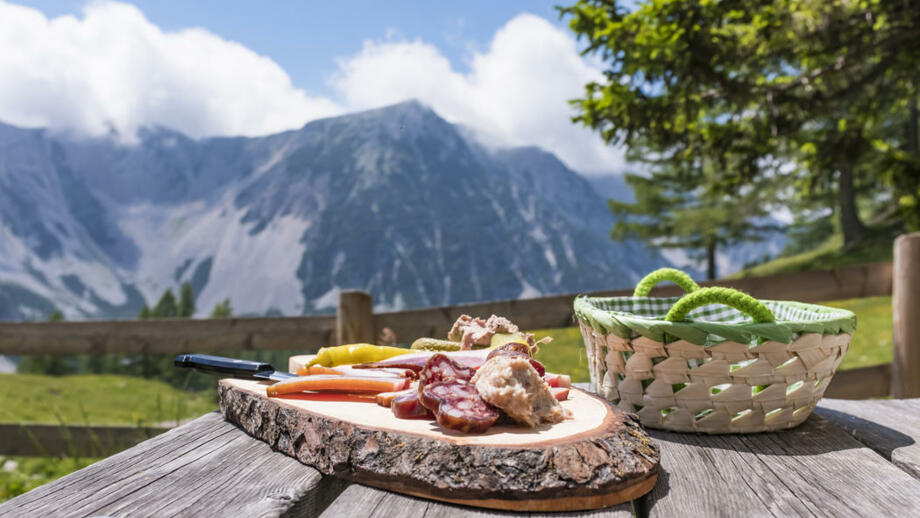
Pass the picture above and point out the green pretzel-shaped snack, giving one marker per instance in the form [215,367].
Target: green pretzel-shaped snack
[734,298]
[665,274]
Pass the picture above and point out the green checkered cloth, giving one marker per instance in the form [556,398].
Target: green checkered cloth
[627,316]
[657,308]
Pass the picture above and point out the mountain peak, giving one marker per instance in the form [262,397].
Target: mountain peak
[408,113]
[409,106]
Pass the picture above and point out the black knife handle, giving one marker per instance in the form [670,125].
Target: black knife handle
[221,365]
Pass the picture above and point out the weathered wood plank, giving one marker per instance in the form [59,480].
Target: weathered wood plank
[167,336]
[556,311]
[205,468]
[891,428]
[861,383]
[816,469]
[368,502]
[354,320]
[81,441]
[905,375]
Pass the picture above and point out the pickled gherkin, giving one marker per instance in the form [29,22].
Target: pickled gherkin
[434,344]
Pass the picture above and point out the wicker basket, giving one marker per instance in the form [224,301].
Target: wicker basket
[713,361]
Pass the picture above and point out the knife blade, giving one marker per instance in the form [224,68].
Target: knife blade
[246,369]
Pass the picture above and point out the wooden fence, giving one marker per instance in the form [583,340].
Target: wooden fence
[355,321]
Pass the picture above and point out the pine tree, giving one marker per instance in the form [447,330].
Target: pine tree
[151,365]
[46,364]
[223,309]
[145,313]
[186,301]
[672,211]
[166,307]
[823,93]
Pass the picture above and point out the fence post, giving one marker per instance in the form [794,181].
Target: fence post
[905,291]
[354,322]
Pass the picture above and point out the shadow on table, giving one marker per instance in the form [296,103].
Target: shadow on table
[882,439]
[642,506]
[815,436]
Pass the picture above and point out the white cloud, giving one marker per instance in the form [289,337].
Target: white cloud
[515,93]
[111,67]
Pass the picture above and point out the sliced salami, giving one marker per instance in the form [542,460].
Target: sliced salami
[386,398]
[407,405]
[510,349]
[457,406]
[517,349]
[417,361]
[441,368]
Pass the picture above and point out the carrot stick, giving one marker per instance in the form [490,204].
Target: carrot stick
[351,384]
[319,369]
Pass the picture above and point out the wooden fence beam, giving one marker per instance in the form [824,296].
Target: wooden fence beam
[556,311]
[44,440]
[905,379]
[355,320]
[861,383]
[305,334]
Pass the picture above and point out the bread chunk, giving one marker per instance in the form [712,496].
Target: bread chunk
[513,385]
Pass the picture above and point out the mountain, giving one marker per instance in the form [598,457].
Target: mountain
[395,201]
[612,187]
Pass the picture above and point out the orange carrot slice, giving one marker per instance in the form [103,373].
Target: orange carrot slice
[319,369]
[352,384]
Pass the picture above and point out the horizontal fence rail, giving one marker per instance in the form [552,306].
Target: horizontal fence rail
[556,311]
[166,335]
[49,440]
[308,333]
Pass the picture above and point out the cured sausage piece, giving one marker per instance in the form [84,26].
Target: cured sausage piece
[407,405]
[386,398]
[510,349]
[417,361]
[517,349]
[457,406]
[442,368]
[513,385]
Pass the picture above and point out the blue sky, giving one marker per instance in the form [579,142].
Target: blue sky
[305,37]
[506,70]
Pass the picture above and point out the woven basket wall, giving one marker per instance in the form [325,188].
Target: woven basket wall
[719,372]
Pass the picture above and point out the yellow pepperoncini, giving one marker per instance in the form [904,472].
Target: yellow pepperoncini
[355,353]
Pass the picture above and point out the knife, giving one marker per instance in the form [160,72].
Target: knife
[245,369]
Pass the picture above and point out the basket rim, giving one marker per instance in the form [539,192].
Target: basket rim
[625,324]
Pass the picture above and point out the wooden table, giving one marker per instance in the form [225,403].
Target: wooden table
[852,458]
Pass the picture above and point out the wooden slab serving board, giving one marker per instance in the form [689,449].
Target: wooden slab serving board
[600,457]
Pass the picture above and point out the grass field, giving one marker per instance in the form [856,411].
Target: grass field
[871,343]
[830,254]
[21,474]
[97,399]
[84,399]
